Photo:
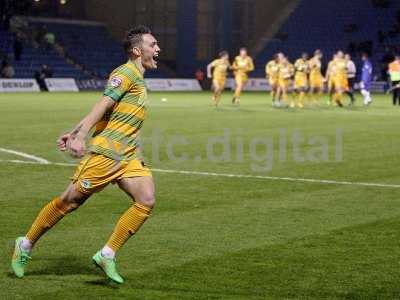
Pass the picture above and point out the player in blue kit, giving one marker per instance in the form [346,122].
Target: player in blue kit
[366,79]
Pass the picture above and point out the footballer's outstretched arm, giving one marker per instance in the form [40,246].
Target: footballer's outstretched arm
[94,116]
[209,67]
[251,65]
[327,73]
[75,139]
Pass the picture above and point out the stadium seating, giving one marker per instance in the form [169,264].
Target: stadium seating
[33,58]
[331,26]
[91,46]
[6,41]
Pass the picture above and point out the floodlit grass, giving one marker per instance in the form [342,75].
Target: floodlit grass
[214,237]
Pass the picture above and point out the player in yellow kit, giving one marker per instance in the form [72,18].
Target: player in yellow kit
[220,68]
[272,74]
[316,78]
[330,77]
[300,80]
[242,65]
[286,72]
[340,78]
[112,157]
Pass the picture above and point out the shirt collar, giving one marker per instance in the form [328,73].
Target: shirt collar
[134,64]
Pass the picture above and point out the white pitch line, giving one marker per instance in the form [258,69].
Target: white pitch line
[31,162]
[321,181]
[279,178]
[26,155]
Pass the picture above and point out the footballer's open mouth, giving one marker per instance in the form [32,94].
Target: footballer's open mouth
[155,58]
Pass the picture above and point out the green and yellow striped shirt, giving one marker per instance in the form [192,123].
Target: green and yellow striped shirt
[116,135]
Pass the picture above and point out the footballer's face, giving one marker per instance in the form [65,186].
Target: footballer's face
[340,54]
[243,52]
[149,51]
[224,56]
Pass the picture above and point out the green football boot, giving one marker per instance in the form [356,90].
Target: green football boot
[19,259]
[108,266]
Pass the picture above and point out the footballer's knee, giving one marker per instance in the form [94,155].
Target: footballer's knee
[72,198]
[147,198]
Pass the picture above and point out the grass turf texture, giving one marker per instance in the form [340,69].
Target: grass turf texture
[213,237]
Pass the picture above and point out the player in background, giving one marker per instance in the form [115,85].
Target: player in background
[330,78]
[300,80]
[340,78]
[272,74]
[220,68]
[366,79]
[242,65]
[286,72]
[394,73]
[316,78]
[112,157]
[351,77]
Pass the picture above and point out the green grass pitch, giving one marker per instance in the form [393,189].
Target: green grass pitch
[215,237]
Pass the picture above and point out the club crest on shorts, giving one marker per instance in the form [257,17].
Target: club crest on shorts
[115,82]
[86,184]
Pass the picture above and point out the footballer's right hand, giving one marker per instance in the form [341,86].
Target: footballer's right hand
[76,146]
[62,141]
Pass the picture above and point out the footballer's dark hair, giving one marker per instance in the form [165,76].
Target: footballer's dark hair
[223,53]
[134,37]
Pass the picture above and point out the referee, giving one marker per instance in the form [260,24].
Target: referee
[394,73]
[351,77]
